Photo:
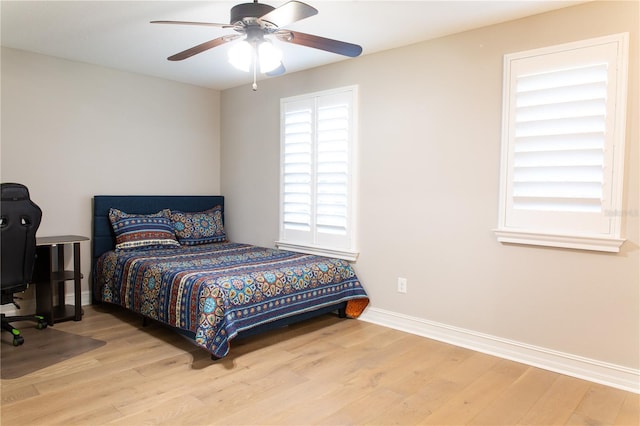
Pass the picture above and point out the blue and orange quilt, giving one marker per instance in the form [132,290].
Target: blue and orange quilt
[214,291]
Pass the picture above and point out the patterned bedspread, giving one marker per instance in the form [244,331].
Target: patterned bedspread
[217,290]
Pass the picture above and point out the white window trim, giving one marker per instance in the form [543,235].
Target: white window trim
[349,254]
[612,241]
[611,245]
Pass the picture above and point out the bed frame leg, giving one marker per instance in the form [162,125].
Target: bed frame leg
[342,312]
[145,321]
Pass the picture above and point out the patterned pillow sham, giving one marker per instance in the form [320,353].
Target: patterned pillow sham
[143,231]
[199,227]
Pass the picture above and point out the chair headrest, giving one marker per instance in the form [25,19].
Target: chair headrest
[14,192]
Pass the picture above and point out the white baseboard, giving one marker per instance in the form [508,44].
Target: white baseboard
[28,306]
[596,371]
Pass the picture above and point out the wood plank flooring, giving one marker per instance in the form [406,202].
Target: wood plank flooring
[325,371]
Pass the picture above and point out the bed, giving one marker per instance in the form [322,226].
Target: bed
[168,259]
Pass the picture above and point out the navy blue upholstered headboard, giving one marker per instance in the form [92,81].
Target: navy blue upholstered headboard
[103,238]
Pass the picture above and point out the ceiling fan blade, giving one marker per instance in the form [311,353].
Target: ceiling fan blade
[202,47]
[278,71]
[289,13]
[205,24]
[322,43]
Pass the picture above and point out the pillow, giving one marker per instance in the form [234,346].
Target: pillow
[200,227]
[138,230]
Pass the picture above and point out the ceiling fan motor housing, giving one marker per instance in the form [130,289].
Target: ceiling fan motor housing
[249,10]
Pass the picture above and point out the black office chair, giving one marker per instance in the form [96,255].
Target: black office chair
[19,220]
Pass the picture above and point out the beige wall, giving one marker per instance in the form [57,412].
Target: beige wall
[429,149]
[72,130]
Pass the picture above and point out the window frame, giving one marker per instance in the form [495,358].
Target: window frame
[509,230]
[348,252]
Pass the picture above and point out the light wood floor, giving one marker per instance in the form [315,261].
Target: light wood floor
[326,371]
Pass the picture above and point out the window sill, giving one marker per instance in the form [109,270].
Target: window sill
[607,244]
[347,255]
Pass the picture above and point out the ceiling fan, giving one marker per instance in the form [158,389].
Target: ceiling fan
[254,21]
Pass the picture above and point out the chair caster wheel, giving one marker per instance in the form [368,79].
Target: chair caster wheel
[18,340]
[42,323]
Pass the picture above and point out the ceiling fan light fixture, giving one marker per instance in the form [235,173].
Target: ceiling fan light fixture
[270,57]
[241,55]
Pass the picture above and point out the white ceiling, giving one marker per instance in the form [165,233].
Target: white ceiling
[117,34]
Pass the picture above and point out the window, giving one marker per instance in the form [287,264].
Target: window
[317,191]
[563,145]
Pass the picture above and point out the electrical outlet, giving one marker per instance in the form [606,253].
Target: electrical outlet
[402,285]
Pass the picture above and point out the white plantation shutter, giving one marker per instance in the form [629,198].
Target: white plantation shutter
[318,136]
[297,162]
[563,145]
[332,165]
[559,140]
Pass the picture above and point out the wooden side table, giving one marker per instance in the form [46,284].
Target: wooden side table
[47,275]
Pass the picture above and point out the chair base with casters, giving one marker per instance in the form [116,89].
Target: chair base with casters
[41,322]
[17,338]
